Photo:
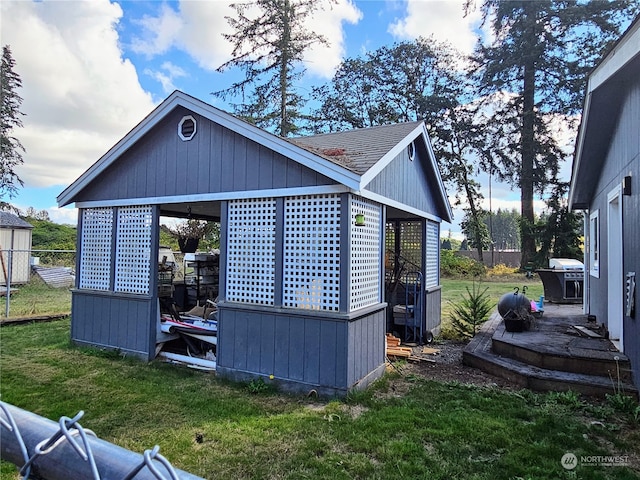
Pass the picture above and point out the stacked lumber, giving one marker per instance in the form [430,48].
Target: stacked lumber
[394,349]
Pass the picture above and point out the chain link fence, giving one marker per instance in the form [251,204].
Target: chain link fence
[36,282]
[43,449]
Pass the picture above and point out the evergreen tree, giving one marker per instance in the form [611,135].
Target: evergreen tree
[504,229]
[408,81]
[560,230]
[10,116]
[269,48]
[534,71]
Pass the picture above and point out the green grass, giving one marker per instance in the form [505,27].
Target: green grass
[401,428]
[36,298]
[453,290]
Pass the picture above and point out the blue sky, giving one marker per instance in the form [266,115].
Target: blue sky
[91,70]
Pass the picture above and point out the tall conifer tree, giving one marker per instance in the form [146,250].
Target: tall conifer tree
[10,118]
[537,65]
[269,47]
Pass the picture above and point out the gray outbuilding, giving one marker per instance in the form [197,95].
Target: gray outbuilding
[15,249]
[321,237]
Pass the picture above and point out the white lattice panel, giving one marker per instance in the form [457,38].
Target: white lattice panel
[311,276]
[365,254]
[251,247]
[432,254]
[133,250]
[95,248]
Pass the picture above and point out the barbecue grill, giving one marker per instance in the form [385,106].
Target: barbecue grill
[563,281]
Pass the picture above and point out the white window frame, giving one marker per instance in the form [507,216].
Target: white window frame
[594,243]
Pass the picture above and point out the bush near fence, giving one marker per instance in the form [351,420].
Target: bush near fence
[509,258]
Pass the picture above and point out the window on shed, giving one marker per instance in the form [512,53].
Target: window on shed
[594,244]
[95,248]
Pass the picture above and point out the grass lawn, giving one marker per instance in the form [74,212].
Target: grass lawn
[36,298]
[404,427]
[453,290]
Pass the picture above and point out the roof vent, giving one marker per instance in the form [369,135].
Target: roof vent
[187,128]
[411,150]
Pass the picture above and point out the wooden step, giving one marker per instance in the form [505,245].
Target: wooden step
[541,379]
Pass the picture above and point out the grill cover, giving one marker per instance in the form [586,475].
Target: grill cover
[565,264]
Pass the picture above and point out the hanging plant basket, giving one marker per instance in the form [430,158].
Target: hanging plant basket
[188,245]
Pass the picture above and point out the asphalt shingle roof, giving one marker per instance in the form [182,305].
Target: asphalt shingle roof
[9,220]
[356,150]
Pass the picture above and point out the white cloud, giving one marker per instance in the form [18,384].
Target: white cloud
[80,95]
[158,34]
[166,77]
[323,60]
[197,28]
[64,216]
[444,19]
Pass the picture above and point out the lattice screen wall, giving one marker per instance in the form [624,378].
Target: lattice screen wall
[365,255]
[433,254]
[95,248]
[411,244]
[251,246]
[311,275]
[133,250]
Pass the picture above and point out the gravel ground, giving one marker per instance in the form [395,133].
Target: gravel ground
[446,365]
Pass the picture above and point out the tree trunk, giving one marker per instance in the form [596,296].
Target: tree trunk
[527,237]
[284,69]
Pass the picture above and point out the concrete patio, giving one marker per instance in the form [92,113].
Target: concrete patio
[561,351]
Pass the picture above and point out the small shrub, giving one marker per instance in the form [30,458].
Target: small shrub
[258,386]
[623,403]
[569,398]
[452,265]
[471,312]
[501,270]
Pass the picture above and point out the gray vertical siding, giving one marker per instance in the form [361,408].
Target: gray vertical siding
[116,322]
[623,158]
[216,160]
[409,182]
[433,309]
[310,351]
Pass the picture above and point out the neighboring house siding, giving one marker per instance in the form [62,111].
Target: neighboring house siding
[406,181]
[623,158]
[216,160]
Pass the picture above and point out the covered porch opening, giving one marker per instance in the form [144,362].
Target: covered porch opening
[412,288]
[188,289]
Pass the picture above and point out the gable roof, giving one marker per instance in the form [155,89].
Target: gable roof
[350,158]
[600,113]
[360,149]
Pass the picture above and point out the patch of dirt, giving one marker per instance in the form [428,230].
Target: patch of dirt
[445,365]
